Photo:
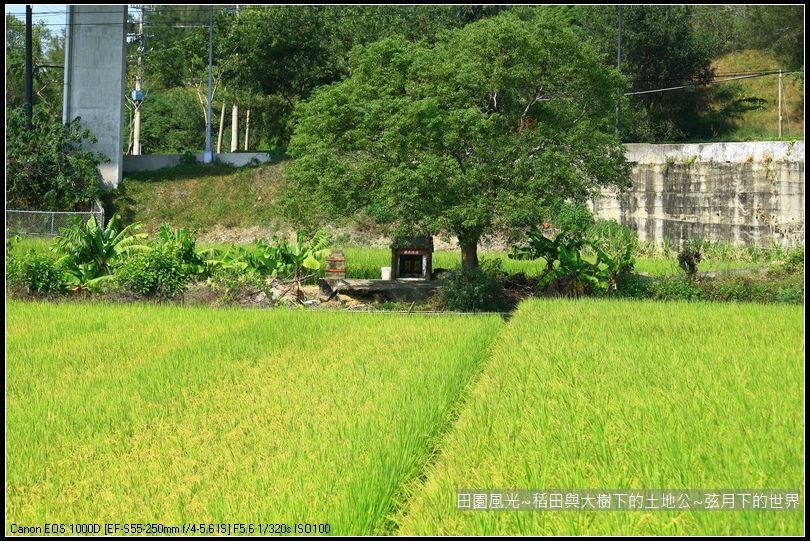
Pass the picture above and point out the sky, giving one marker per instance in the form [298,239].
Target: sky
[55,16]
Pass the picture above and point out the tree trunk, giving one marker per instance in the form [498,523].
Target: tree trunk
[469,254]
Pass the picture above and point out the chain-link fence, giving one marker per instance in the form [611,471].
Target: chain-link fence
[30,222]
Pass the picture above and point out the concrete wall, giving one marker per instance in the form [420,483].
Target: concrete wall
[153,162]
[742,193]
[95,49]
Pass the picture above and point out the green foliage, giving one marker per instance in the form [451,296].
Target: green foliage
[183,243]
[237,259]
[172,122]
[165,268]
[475,290]
[615,245]
[660,49]
[281,258]
[538,247]
[47,54]
[303,254]
[160,272]
[581,276]
[634,286]
[91,250]
[46,167]
[794,262]
[566,267]
[443,139]
[232,284]
[573,218]
[675,288]
[35,272]
[777,28]
[774,286]
[689,257]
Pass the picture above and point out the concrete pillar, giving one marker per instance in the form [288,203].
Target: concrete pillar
[95,67]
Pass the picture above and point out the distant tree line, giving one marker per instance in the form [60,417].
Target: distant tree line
[268,58]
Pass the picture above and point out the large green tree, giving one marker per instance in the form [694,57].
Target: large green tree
[491,128]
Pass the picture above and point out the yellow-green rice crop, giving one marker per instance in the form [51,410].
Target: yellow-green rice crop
[173,415]
[594,394]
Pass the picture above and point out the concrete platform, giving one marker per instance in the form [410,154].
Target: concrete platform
[379,290]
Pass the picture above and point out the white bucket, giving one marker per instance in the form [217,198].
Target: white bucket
[386,273]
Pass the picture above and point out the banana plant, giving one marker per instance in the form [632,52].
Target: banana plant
[296,256]
[89,251]
[563,256]
[183,242]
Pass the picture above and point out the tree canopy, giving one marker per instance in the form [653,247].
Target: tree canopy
[48,57]
[46,167]
[487,130]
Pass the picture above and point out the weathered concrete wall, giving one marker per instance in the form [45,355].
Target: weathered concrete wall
[742,193]
[153,162]
[95,49]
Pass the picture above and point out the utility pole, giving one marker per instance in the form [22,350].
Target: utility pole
[619,67]
[235,115]
[780,103]
[208,157]
[137,95]
[29,68]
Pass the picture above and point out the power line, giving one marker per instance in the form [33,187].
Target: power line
[748,76]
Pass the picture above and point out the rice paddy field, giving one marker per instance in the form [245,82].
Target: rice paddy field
[599,395]
[176,416]
[371,423]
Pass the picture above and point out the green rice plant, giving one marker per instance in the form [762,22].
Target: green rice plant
[179,415]
[597,394]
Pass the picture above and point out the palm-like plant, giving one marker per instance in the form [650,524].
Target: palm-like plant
[91,249]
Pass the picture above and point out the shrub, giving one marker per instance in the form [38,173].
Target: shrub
[232,284]
[159,272]
[46,166]
[476,290]
[634,286]
[795,261]
[574,218]
[182,242]
[35,273]
[613,238]
[675,288]
[689,257]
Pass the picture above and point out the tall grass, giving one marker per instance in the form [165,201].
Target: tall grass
[638,395]
[185,415]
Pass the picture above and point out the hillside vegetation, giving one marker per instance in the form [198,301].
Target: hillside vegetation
[763,124]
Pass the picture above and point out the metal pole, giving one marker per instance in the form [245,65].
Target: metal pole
[780,103]
[29,68]
[68,68]
[136,143]
[619,67]
[235,115]
[208,157]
